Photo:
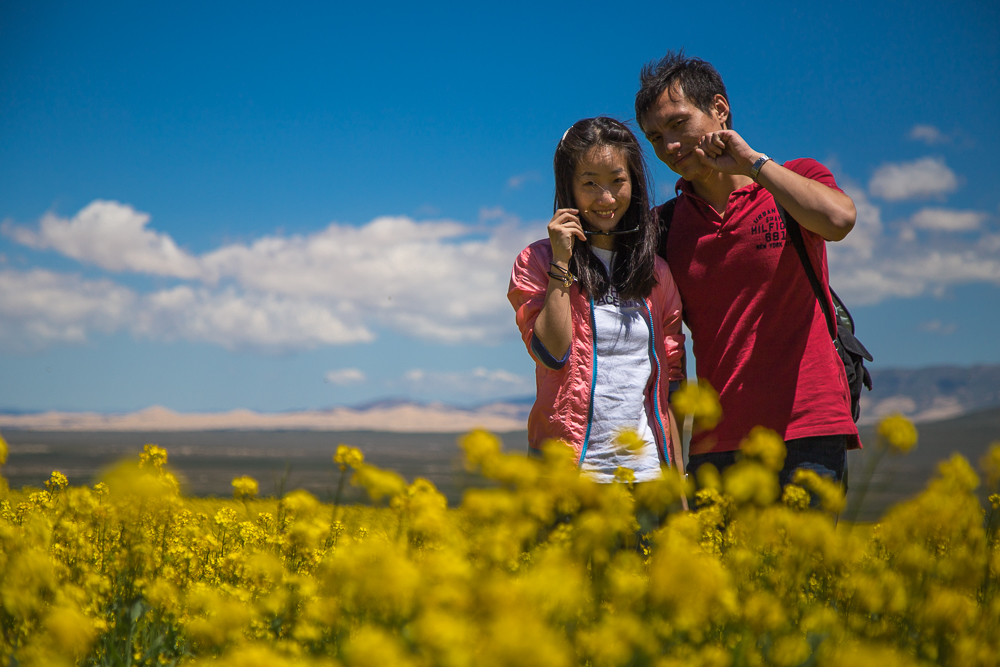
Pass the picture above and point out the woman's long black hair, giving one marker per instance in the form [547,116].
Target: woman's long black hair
[635,253]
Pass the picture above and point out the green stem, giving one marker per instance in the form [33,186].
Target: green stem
[869,471]
[340,488]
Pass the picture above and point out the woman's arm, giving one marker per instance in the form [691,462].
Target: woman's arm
[554,325]
[670,323]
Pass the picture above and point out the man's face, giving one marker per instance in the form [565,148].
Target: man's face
[674,126]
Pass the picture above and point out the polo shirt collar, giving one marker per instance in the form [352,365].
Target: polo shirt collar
[686,187]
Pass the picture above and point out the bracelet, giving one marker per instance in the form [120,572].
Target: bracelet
[755,169]
[566,279]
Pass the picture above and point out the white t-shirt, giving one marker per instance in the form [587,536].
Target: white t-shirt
[624,366]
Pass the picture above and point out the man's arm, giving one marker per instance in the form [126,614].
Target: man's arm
[817,207]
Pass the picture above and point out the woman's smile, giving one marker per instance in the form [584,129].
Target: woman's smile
[602,187]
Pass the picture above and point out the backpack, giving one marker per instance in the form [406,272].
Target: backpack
[840,323]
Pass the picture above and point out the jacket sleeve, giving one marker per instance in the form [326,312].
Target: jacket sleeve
[670,325]
[529,282]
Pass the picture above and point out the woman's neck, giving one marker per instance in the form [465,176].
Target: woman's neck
[603,241]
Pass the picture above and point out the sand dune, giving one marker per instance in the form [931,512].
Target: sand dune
[402,418]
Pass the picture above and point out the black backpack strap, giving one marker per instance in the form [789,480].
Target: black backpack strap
[794,232]
[665,216]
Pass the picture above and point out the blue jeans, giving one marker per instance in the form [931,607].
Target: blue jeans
[825,454]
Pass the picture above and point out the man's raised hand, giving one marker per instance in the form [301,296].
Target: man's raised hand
[726,151]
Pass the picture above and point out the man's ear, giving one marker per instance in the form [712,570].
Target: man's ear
[721,107]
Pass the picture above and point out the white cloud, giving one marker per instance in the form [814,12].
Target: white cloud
[938,327]
[947,220]
[872,265]
[345,376]
[110,235]
[928,134]
[517,181]
[862,240]
[921,179]
[234,320]
[439,280]
[38,308]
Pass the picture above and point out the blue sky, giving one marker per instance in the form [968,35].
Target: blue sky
[272,206]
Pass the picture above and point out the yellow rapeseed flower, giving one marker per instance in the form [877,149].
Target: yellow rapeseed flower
[130,478]
[795,497]
[447,636]
[377,482]
[252,655]
[480,447]
[766,446]
[693,589]
[763,612]
[539,567]
[57,482]
[898,433]
[790,650]
[956,473]
[625,476]
[831,494]
[750,482]
[348,457]
[660,494]
[3,451]
[511,639]
[71,631]
[300,503]
[708,477]
[372,646]
[990,465]
[152,457]
[244,488]
[700,400]
[220,618]
[629,440]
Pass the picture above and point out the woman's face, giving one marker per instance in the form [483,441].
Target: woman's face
[602,187]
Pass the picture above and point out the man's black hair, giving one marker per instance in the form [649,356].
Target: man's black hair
[698,80]
[632,273]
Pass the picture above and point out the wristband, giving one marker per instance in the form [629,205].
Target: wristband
[561,274]
[755,169]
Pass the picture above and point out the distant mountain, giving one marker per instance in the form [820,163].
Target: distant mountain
[900,477]
[922,394]
[393,416]
[931,394]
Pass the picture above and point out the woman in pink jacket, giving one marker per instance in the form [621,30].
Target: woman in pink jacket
[599,312]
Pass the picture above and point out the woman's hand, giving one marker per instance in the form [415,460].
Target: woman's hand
[554,325]
[563,227]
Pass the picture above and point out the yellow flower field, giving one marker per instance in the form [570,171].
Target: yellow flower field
[542,568]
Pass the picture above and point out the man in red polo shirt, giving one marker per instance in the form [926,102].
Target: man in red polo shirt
[758,333]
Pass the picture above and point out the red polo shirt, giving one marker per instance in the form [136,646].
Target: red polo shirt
[758,333]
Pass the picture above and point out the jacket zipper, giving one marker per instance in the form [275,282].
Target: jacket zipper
[593,382]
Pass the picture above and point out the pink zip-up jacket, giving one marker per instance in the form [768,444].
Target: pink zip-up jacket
[564,394]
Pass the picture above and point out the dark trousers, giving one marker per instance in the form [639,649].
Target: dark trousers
[825,454]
